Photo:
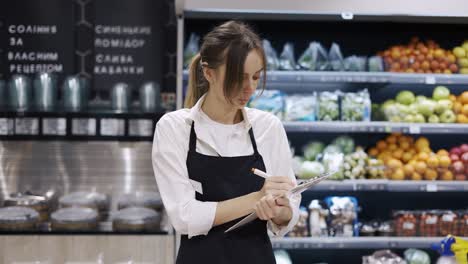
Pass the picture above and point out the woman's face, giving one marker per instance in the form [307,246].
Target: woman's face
[253,67]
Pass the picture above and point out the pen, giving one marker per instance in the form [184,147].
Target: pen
[260,173]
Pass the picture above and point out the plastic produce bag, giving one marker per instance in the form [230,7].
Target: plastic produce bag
[343,216]
[336,58]
[356,106]
[383,257]
[312,149]
[328,106]
[191,49]
[272,101]
[333,161]
[271,56]
[375,64]
[301,107]
[355,63]
[345,143]
[416,256]
[314,58]
[287,61]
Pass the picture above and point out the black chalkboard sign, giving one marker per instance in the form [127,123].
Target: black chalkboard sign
[127,43]
[36,36]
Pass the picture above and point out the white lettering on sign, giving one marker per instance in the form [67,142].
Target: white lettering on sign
[122,30]
[34,68]
[119,70]
[32,29]
[119,43]
[32,56]
[16,42]
[114,58]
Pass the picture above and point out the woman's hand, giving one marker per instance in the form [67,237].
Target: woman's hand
[276,186]
[277,209]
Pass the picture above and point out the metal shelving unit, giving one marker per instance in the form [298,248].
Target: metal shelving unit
[354,242]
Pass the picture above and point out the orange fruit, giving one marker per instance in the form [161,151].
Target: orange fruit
[392,139]
[405,145]
[407,156]
[430,175]
[457,107]
[381,145]
[398,154]
[453,98]
[462,119]
[442,152]
[447,176]
[420,167]
[398,175]
[408,169]
[464,109]
[421,143]
[426,150]
[416,176]
[463,98]
[444,161]
[412,162]
[423,156]
[433,161]
[392,147]
[373,152]
[394,164]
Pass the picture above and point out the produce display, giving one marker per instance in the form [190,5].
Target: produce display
[430,223]
[419,57]
[407,107]
[461,52]
[459,158]
[460,107]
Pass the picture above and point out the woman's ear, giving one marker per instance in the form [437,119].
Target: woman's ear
[209,74]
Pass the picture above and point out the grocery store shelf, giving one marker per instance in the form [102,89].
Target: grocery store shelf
[305,77]
[354,242]
[392,186]
[376,127]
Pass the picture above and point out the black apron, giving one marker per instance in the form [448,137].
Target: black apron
[224,178]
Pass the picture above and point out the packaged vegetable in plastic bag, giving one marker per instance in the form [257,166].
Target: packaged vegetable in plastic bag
[383,257]
[271,56]
[314,58]
[355,63]
[375,64]
[335,58]
[356,106]
[343,216]
[272,101]
[328,106]
[416,256]
[287,61]
[300,107]
[191,49]
[333,161]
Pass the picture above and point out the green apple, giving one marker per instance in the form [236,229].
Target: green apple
[418,118]
[459,52]
[443,105]
[420,98]
[447,116]
[433,119]
[463,62]
[395,119]
[413,108]
[405,97]
[408,119]
[403,109]
[426,107]
[440,92]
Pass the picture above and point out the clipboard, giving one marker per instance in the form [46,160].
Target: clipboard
[301,187]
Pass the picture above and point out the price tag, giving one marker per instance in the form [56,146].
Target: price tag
[431,187]
[84,126]
[408,226]
[112,127]
[26,126]
[430,80]
[6,126]
[54,126]
[140,127]
[414,129]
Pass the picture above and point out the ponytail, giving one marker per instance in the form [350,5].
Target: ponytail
[197,85]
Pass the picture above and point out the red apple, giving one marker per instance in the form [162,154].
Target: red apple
[460,177]
[456,151]
[458,167]
[464,148]
[454,157]
[464,158]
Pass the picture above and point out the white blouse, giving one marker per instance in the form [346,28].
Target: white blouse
[170,146]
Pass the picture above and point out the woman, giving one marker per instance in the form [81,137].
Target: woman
[203,156]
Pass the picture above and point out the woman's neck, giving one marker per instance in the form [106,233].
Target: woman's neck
[219,111]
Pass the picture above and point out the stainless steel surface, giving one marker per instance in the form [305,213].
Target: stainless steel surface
[45,91]
[20,92]
[150,97]
[75,93]
[180,56]
[121,97]
[3,94]
[113,168]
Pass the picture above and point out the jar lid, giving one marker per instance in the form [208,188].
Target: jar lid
[18,214]
[85,199]
[141,199]
[74,215]
[136,215]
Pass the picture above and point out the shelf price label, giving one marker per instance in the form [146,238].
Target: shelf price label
[414,129]
[112,127]
[54,126]
[431,187]
[84,126]
[140,127]
[6,126]
[26,126]
[430,79]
